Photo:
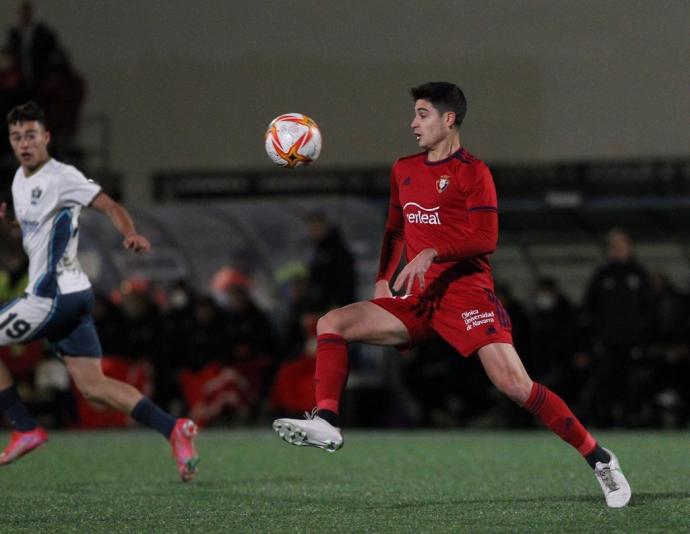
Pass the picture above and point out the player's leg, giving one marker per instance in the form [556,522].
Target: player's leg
[505,369]
[362,322]
[359,322]
[18,322]
[74,335]
[88,376]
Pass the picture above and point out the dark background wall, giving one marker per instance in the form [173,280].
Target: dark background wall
[194,84]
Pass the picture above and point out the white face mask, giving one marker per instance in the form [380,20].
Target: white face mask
[221,298]
[310,345]
[545,301]
[179,299]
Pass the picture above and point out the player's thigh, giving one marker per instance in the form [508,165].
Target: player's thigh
[364,322]
[22,318]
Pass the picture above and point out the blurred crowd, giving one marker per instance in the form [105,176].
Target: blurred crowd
[34,65]
[621,358]
[211,353]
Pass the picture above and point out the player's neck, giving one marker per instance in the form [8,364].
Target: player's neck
[30,171]
[444,149]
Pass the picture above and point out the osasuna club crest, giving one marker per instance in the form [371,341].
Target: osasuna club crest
[442,183]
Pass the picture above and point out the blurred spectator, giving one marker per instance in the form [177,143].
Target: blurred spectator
[448,390]
[206,334]
[13,273]
[250,339]
[672,353]
[110,323]
[33,44]
[12,93]
[61,93]
[38,68]
[238,346]
[292,392]
[176,345]
[619,313]
[554,334]
[140,319]
[294,286]
[332,277]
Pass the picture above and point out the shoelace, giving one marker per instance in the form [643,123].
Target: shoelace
[312,415]
[606,475]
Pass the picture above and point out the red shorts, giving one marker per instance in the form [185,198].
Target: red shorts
[468,320]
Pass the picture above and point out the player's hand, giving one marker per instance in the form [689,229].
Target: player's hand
[415,271]
[136,242]
[382,290]
[3,211]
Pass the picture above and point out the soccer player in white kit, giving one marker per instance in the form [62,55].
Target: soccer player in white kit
[48,197]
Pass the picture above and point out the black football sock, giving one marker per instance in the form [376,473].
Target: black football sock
[148,414]
[332,417]
[598,455]
[12,405]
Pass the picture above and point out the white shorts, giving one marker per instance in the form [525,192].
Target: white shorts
[65,320]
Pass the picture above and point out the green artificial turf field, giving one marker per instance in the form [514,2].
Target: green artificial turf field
[250,481]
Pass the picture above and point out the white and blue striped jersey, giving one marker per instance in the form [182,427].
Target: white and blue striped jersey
[47,205]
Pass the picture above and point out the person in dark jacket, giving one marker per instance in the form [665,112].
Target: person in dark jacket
[619,313]
[332,275]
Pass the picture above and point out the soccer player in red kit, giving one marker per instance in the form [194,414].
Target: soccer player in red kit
[443,214]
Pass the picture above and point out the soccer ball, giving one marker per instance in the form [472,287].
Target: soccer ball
[293,140]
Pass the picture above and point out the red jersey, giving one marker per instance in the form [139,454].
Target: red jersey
[449,205]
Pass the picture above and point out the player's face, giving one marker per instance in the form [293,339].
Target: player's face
[29,140]
[429,126]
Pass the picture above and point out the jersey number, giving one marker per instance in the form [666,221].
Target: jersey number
[17,328]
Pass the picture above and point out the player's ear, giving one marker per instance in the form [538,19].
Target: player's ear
[449,117]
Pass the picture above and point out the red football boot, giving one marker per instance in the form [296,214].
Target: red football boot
[22,443]
[182,441]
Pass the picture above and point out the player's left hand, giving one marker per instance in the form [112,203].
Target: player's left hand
[136,242]
[415,270]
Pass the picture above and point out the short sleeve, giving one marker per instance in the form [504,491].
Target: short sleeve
[76,189]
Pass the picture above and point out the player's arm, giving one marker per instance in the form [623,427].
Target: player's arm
[481,236]
[121,220]
[393,244]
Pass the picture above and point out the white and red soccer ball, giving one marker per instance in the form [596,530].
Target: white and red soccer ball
[292,140]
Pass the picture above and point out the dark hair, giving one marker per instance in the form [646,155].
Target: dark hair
[445,96]
[26,113]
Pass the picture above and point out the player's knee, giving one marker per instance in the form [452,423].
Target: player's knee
[329,324]
[515,386]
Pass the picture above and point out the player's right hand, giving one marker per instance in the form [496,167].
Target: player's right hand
[3,211]
[137,242]
[382,290]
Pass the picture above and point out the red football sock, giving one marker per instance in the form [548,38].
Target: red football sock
[556,415]
[331,371]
